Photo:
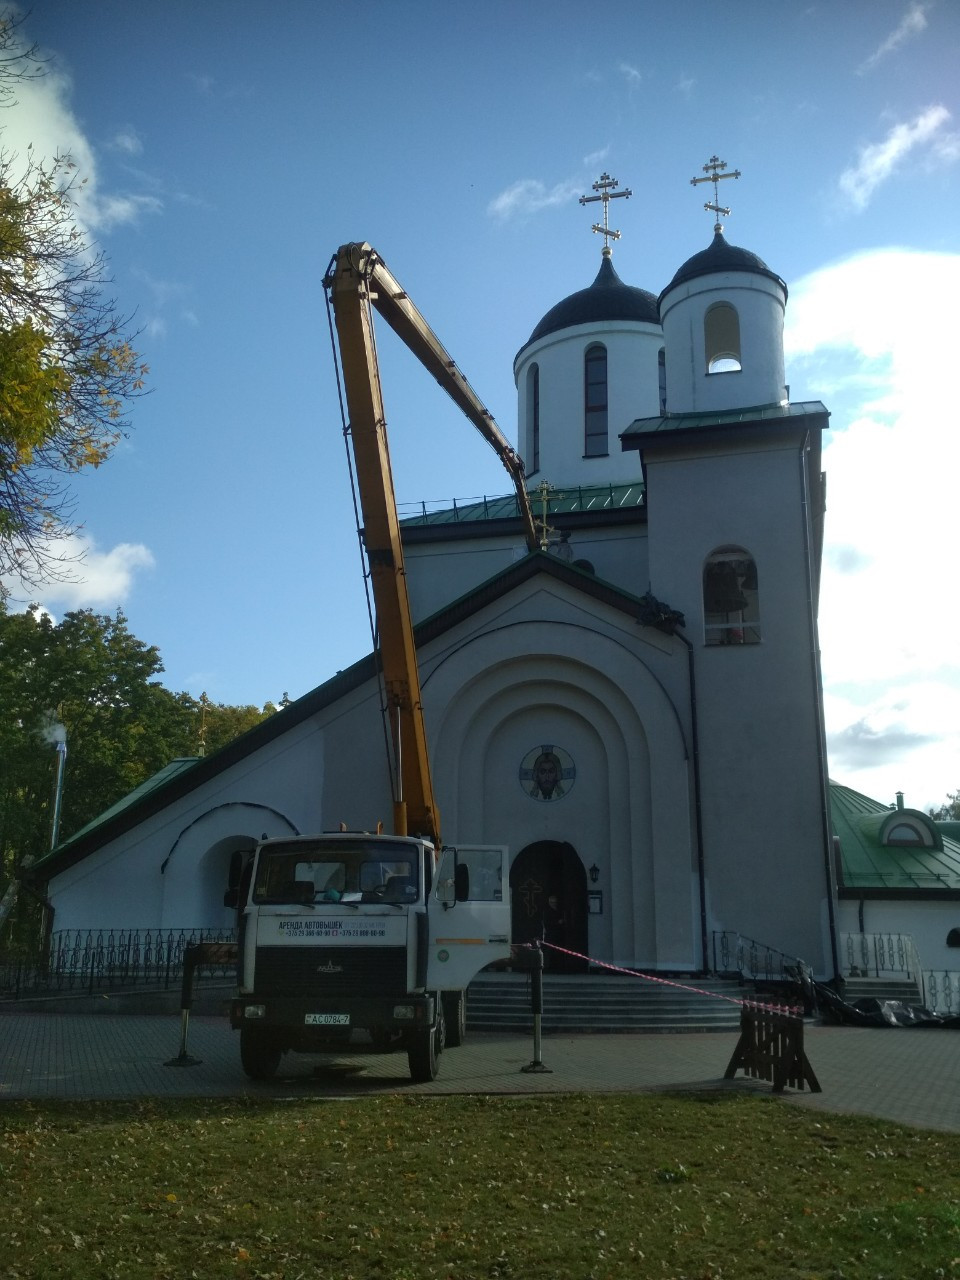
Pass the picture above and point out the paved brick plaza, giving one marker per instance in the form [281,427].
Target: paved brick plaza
[906,1075]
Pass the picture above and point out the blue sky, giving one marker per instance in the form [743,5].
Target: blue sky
[229,148]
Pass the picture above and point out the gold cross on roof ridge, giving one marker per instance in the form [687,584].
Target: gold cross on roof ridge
[605,187]
[714,173]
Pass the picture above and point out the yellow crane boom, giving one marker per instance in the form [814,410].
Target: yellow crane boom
[356,281]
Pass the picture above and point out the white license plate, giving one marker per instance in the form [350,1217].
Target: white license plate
[327,1019]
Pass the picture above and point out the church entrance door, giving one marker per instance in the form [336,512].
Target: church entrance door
[548,888]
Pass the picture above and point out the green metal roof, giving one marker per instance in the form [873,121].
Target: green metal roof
[607,497]
[671,423]
[159,779]
[866,865]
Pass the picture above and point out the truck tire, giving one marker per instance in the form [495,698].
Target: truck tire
[455,1016]
[425,1048]
[259,1056]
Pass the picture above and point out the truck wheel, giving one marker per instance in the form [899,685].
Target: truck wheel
[455,1016]
[423,1053]
[259,1056]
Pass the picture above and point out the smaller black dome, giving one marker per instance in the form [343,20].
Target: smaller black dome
[608,298]
[721,256]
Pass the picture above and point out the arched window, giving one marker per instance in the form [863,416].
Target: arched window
[731,612]
[595,402]
[662,377]
[721,339]
[907,832]
[533,417]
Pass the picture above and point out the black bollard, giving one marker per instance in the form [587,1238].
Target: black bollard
[536,1004]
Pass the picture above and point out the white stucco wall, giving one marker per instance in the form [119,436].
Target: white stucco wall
[758,704]
[927,921]
[440,572]
[632,388]
[543,664]
[170,871]
[759,303]
[608,693]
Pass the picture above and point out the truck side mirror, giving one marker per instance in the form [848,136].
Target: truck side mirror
[461,882]
[232,898]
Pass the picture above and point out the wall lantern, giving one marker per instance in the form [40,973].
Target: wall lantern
[594,874]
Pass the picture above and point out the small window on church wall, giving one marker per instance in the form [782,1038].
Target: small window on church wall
[721,338]
[662,376]
[731,613]
[595,402]
[533,390]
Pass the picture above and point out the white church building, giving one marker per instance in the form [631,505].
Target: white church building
[635,711]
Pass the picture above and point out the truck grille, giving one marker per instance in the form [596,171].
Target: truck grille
[340,971]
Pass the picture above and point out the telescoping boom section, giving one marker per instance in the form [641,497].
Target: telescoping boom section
[357,280]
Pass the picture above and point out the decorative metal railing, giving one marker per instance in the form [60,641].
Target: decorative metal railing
[82,961]
[733,953]
[878,955]
[942,990]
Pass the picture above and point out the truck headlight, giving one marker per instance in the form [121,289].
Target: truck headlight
[404,1012]
[254,1010]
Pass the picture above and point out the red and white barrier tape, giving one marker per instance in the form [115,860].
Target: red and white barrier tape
[795,1010]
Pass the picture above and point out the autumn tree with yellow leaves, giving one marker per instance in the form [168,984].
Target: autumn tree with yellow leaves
[67,365]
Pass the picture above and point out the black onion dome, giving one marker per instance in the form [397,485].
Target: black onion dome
[608,298]
[721,256]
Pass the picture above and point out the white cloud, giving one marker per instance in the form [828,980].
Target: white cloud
[913,23]
[877,162]
[126,141]
[97,579]
[596,158]
[41,123]
[630,74]
[529,195]
[879,329]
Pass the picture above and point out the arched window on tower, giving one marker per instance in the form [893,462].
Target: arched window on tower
[731,611]
[533,417]
[721,339]
[662,378]
[595,402]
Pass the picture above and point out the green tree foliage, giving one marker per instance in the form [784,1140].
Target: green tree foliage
[950,811]
[88,679]
[220,724]
[67,366]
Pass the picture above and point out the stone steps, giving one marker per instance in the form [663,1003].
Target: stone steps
[902,989]
[603,1003]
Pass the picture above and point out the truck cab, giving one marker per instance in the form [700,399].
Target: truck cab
[351,932]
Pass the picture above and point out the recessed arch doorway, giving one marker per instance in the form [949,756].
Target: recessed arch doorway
[545,869]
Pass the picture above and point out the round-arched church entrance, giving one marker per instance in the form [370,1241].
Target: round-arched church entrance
[548,890]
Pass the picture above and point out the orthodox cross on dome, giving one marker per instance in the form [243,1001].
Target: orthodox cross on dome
[605,188]
[545,491]
[714,173]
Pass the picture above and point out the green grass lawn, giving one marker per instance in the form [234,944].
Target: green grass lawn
[713,1185]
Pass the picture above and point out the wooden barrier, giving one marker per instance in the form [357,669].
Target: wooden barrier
[771,1048]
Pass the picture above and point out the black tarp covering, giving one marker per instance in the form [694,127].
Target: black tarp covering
[878,1013]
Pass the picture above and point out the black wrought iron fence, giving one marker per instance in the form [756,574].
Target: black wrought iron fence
[877,955]
[89,960]
[733,953]
[942,991]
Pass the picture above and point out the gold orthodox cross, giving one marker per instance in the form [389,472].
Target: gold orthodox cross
[545,491]
[714,172]
[605,187]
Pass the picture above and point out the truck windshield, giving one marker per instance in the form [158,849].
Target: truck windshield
[381,871]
